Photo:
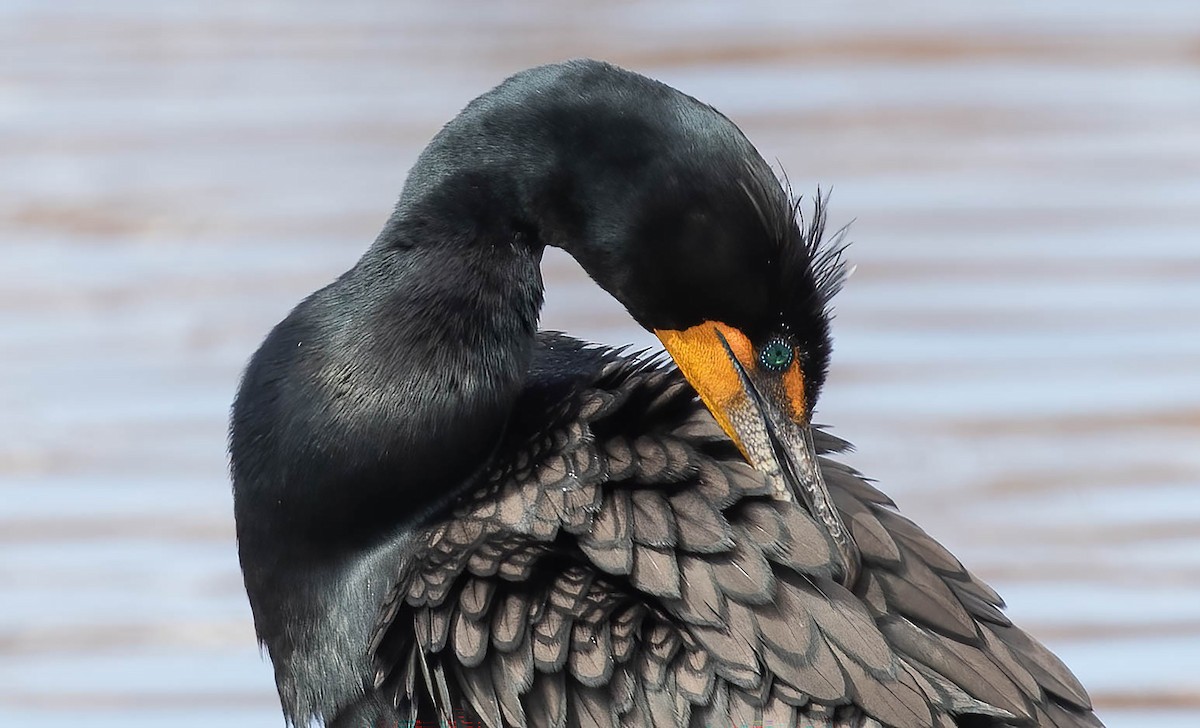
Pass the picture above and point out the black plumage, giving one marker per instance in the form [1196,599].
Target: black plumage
[445,513]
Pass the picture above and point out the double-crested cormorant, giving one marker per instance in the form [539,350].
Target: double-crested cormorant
[446,515]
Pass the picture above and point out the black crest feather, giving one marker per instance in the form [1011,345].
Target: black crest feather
[811,269]
[818,257]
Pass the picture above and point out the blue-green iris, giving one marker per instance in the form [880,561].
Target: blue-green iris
[776,355]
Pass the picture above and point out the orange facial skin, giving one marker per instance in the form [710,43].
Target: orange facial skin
[701,355]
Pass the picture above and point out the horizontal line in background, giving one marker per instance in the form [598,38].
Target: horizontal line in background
[1050,425]
[1164,699]
[1149,700]
[107,638]
[30,532]
[133,702]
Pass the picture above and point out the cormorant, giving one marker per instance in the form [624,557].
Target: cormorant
[444,514]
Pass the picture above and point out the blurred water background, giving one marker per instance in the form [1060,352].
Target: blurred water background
[1018,358]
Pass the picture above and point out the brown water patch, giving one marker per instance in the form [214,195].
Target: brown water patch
[1149,700]
[1019,484]
[1062,632]
[1042,268]
[916,47]
[1078,425]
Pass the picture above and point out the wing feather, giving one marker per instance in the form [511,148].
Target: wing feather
[629,569]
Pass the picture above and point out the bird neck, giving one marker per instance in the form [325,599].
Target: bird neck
[375,402]
[382,392]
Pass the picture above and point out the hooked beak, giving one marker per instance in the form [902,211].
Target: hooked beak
[765,414]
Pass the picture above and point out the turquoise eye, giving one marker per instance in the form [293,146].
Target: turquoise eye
[776,355]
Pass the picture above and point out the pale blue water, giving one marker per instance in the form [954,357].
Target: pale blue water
[1017,358]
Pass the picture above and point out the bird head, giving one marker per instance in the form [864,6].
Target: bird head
[760,371]
[684,222]
[669,207]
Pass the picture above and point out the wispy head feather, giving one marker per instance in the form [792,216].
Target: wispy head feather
[820,260]
[810,271]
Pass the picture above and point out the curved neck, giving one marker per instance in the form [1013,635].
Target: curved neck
[380,392]
[371,404]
